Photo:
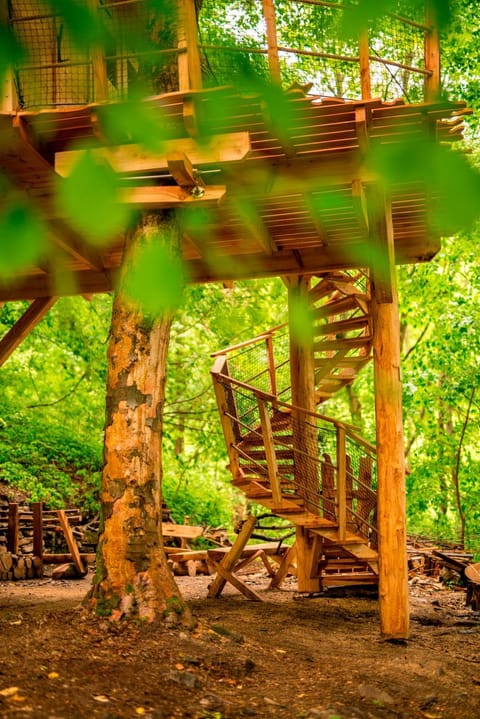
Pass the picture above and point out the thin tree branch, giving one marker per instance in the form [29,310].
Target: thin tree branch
[414,346]
[59,399]
[456,482]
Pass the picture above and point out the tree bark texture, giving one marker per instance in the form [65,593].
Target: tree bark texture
[133,578]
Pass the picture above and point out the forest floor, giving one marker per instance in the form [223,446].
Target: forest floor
[285,658]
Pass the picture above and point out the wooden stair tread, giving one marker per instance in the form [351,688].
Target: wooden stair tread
[354,323]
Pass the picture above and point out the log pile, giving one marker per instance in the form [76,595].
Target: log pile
[445,562]
[30,537]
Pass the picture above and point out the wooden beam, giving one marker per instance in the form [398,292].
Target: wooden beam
[215,150]
[230,559]
[360,205]
[229,576]
[393,571]
[181,169]
[13,528]
[382,243]
[432,54]
[364,56]
[100,77]
[272,41]
[189,66]
[71,542]
[270,456]
[163,197]
[22,327]
[308,550]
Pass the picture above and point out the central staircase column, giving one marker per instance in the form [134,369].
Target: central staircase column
[305,442]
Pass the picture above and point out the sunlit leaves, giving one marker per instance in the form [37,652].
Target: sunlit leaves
[90,197]
[22,238]
[156,278]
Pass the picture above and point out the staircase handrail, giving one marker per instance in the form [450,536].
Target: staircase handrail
[350,429]
[253,340]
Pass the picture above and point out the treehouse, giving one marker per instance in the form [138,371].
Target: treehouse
[265,157]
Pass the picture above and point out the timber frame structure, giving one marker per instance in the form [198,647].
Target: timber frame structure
[299,201]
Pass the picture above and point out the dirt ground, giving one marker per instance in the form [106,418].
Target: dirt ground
[288,657]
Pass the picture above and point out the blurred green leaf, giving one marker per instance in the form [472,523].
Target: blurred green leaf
[300,320]
[156,279]
[83,24]
[89,196]
[135,122]
[22,238]
[451,180]
[11,51]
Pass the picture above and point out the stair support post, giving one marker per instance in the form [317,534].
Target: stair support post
[341,484]
[391,493]
[270,456]
[309,550]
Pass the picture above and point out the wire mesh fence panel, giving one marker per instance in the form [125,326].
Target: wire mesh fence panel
[56,70]
[361,490]
[138,52]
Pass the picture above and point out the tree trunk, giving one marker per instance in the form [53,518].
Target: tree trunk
[133,578]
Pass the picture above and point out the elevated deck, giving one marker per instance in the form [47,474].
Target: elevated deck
[266,182]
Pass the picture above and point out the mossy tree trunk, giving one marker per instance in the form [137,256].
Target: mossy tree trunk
[133,578]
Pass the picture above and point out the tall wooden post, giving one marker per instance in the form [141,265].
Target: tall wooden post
[393,573]
[302,378]
[364,55]
[432,53]
[272,43]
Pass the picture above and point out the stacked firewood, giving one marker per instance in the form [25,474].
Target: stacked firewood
[445,562]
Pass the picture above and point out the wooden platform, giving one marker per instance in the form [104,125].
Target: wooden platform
[278,201]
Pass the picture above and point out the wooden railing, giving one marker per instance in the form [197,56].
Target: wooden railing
[184,62]
[344,486]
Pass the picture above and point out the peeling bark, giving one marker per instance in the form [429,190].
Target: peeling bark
[133,578]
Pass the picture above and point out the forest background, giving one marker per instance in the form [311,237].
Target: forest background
[52,403]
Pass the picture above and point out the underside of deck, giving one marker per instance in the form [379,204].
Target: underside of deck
[255,197]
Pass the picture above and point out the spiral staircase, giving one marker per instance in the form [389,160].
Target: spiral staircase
[309,469]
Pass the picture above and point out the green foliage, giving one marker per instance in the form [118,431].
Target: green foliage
[93,185]
[23,237]
[47,462]
[157,280]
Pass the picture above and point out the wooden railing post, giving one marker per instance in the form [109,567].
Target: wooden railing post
[100,77]
[189,67]
[432,54]
[364,55]
[271,365]
[341,483]
[270,456]
[37,516]
[13,528]
[272,43]
[227,422]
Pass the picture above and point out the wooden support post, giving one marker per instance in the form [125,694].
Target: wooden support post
[341,484]
[302,378]
[271,365]
[189,67]
[272,43]
[228,426]
[432,54]
[30,318]
[270,456]
[287,562]
[37,518]
[71,543]
[364,55]
[12,528]
[309,549]
[230,559]
[100,77]
[393,572]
